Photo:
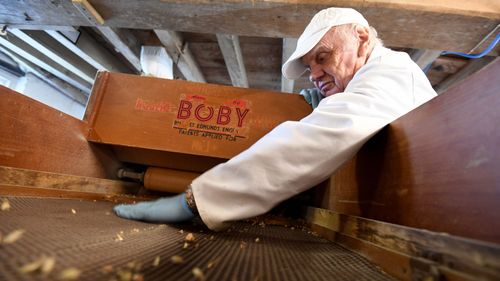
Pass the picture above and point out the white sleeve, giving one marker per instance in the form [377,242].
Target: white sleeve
[295,156]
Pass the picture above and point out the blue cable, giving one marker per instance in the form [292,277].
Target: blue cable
[490,47]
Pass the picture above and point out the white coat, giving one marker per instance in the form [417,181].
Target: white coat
[296,155]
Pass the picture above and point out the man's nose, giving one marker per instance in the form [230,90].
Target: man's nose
[316,73]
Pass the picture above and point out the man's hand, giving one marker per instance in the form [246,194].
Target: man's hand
[167,209]
[312,96]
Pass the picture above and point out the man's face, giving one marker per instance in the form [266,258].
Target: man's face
[332,63]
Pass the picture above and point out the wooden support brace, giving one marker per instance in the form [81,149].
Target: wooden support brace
[88,11]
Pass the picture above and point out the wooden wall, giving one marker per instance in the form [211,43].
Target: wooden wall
[37,137]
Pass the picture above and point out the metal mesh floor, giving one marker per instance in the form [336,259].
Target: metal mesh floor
[104,247]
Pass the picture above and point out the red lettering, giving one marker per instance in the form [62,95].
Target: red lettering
[224,113]
[139,103]
[241,115]
[199,117]
[184,110]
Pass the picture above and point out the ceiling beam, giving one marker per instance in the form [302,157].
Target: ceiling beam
[424,57]
[124,43]
[231,51]
[289,45]
[91,51]
[424,24]
[471,67]
[179,51]
[59,54]
[58,84]
[31,54]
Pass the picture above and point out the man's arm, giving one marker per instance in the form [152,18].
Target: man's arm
[298,155]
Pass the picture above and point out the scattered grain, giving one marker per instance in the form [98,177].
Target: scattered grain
[176,259]
[137,277]
[198,274]
[107,269]
[156,262]
[48,265]
[190,238]
[257,240]
[118,237]
[70,273]
[73,211]
[5,205]
[13,236]
[32,266]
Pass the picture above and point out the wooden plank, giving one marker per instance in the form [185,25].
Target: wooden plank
[23,191]
[399,265]
[41,60]
[425,57]
[59,54]
[435,168]
[91,51]
[88,11]
[471,67]
[439,25]
[231,51]
[180,53]
[124,43]
[37,137]
[443,250]
[63,87]
[31,178]
[289,45]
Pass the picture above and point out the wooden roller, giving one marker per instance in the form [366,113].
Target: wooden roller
[168,180]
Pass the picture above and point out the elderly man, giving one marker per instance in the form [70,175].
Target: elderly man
[365,86]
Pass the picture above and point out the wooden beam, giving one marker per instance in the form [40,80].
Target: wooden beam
[289,45]
[29,53]
[88,11]
[423,24]
[424,57]
[58,84]
[124,43]
[178,50]
[472,67]
[59,54]
[91,51]
[231,51]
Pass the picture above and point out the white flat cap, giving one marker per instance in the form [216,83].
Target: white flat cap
[315,30]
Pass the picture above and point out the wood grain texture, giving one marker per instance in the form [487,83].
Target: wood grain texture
[160,115]
[469,257]
[435,168]
[30,178]
[37,137]
[455,25]
[30,191]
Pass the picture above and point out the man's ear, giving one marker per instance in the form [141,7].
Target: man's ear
[363,34]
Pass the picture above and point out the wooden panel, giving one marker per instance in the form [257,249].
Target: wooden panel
[435,168]
[184,117]
[454,25]
[37,137]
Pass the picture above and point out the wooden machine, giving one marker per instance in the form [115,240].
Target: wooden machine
[418,202]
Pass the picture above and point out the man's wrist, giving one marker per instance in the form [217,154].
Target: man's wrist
[191,203]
